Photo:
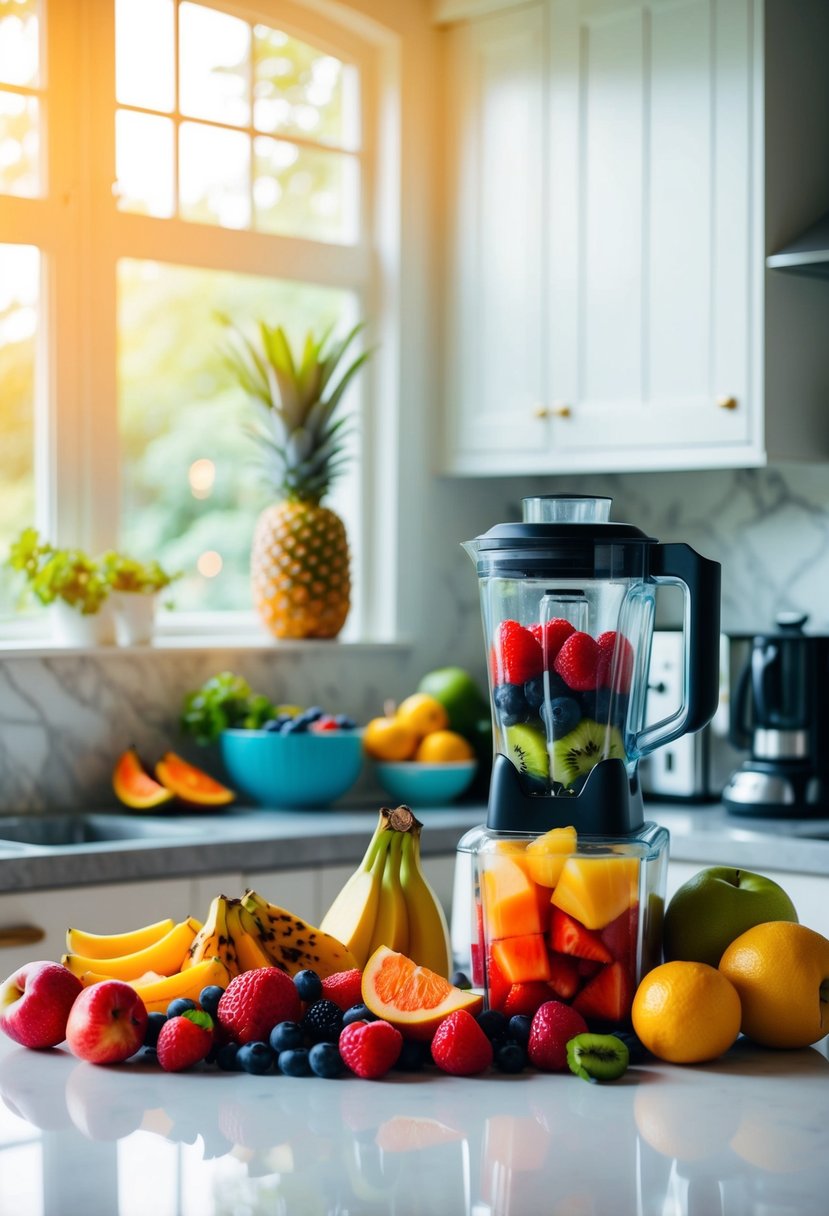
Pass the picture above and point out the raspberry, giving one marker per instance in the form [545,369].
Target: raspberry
[255,1001]
[344,988]
[370,1049]
[552,1026]
[609,643]
[551,637]
[460,1046]
[517,656]
[577,661]
[323,1022]
[184,1040]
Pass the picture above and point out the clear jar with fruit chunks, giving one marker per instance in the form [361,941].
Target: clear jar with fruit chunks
[568,917]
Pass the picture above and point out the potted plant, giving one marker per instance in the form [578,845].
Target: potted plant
[71,584]
[134,589]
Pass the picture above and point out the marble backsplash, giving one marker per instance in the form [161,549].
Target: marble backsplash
[65,716]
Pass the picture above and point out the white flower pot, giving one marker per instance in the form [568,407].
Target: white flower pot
[73,628]
[134,613]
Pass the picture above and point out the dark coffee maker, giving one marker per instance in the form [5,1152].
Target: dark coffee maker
[780,712]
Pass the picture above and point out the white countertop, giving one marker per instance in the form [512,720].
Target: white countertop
[744,1136]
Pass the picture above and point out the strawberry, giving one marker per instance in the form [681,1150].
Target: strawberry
[460,1046]
[620,935]
[607,997]
[610,644]
[370,1049]
[569,936]
[185,1040]
[517,654]
[577,661]
[255,1001]
[588,967]
[344,988]
[564,977]
[497,983]
[551,637]
[525,998]
[553,1025]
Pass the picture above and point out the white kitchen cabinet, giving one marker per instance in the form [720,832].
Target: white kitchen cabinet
[296,890]
[617,172]
[808,892]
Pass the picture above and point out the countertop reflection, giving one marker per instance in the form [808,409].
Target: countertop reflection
[746,1134]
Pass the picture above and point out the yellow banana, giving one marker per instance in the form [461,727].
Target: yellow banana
[114,945]
[250,952]
[428,932]
[391,926]
[293,944]
[157,993]
[214,939]
[164,957]
[351,917]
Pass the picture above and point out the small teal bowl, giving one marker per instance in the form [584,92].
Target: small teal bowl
[417,784]
[292,772]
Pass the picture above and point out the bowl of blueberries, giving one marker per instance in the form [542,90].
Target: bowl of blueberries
[297,760]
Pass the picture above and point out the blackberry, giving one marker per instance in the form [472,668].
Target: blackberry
[358,1013]
[209,998]
[323,1022]
[309,985]
[287,1036]
[294,1063]
[510,1057]
[154,1023]
[179,1006]
[256,1058]
[518,1029]
[325,1060]
[493,1024]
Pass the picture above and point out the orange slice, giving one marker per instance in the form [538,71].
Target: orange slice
[412,998]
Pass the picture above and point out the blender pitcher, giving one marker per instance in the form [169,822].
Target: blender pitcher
[568,604]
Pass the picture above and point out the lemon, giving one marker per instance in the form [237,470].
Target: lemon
[422,714]
[389,739]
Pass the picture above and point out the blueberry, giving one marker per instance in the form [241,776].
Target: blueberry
[534,691]
[287,1036]
[294,726]
[209,998]
[511,703]
[154,1023]
[510,1057]
[311,715]
[323,1022]
[493,1023]
[179,1006]
[344,722]
[294,1063]
[358,1013]
[460,980]
[272,724]
[637,1052]
[309,985]
[413,1056]
[226,1057]
[255,1058]
[325,1060]
[563,713]
[518,1029]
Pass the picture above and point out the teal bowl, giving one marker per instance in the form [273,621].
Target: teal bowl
[292,772]
[417,784]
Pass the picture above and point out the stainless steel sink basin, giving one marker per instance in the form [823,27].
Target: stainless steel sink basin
[58,831]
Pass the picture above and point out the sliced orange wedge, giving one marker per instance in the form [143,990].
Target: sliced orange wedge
[412,998]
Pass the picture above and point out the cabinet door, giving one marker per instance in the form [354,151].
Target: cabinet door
[296,890]
[651,233]
[494,322]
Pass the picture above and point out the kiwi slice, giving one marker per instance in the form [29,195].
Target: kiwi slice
[597,1057]
[527,749]
[574,755]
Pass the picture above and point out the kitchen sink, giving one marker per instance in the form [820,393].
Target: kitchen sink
[58,831]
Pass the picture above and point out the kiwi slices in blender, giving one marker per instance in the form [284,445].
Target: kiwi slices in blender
[597,1057]
[576,753]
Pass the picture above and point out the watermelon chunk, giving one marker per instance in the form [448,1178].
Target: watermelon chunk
[567,936]
[521,959]
[608,996]
[620,935]
[497,984]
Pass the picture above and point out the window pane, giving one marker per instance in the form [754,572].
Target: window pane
[19,279]
[19,41]
[214,65]
[144,163]
[298,90]
[302,192]
[214,172]
[19,145]
[190,481]
[144,55]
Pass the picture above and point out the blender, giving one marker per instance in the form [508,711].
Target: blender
[568,879]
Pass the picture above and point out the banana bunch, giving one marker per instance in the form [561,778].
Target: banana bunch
[387,901]
[290,942]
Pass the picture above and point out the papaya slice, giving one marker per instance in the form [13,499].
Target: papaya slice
[191,784]
[134,786]
[522,959]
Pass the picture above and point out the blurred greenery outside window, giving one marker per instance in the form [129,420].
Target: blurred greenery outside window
[239,185]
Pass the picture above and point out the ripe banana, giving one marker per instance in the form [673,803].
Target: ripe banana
[114,945]
[292,944]
[244,930]
[157,993]
[214,940]
[353,913]
[164,957]
[429,944]
[391,925]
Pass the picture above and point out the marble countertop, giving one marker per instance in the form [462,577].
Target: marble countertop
[170,846]
[745,1134]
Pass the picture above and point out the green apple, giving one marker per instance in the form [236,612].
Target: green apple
[459,695]
[714,907]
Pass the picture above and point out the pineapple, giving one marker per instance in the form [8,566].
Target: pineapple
[300,559]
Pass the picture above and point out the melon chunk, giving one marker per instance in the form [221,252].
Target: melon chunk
[595,890]
[521,959]
[512,907]
[545,857]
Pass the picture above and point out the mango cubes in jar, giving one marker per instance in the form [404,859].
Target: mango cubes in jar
[567,918]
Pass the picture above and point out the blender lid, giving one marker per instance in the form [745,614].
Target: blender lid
[566,518]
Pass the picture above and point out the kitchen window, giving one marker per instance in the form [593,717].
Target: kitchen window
[162,162]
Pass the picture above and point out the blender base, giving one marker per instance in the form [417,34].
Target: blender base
[609,804]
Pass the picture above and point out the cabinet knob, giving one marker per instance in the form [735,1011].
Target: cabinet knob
[541,412]
[20,935]
[727,403]
[561,409]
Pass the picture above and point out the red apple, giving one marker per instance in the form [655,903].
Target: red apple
[35,1003]
[107,1023]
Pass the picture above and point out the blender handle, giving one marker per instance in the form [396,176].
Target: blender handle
[739,729]
[681,566]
